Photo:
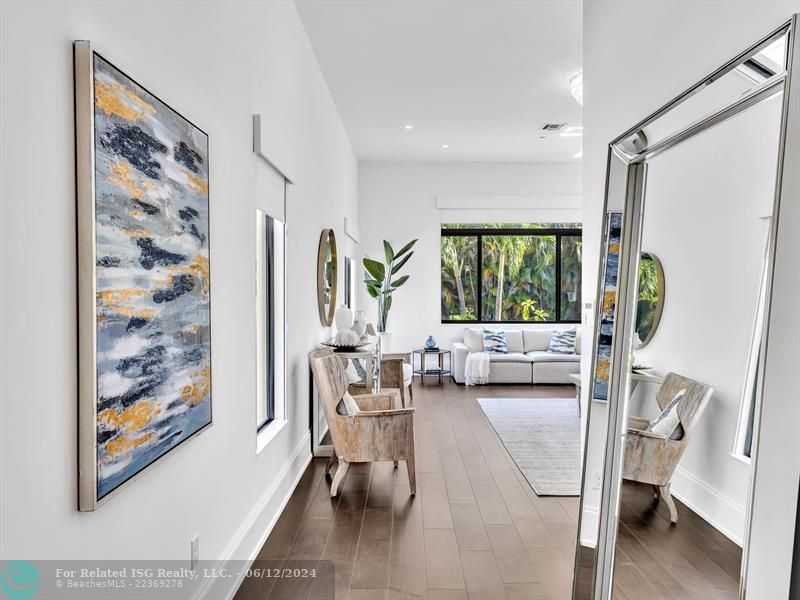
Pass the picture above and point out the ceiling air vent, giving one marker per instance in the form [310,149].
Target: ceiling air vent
[553,126]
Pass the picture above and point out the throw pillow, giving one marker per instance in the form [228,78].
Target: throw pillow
[563,342]
[668,423]
[495,341]
[347,406]
[473,339]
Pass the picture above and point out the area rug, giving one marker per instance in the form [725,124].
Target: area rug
[542,435]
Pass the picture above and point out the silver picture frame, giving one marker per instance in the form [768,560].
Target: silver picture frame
[84,79]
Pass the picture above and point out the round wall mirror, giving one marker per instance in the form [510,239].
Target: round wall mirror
[326,276]
[651,298]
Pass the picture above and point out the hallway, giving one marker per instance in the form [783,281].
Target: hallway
[474,530]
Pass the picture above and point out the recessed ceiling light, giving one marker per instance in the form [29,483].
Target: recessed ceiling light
[445,146]
[578,154]
[408,127]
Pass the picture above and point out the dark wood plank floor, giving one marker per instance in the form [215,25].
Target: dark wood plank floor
[658,560]
[475,529]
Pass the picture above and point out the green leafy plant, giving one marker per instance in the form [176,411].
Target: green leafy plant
[531,313]
[379,277]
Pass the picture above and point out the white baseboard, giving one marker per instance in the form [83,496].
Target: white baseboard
[722,512]
[253,532]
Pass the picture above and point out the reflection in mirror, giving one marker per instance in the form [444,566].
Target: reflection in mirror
[650,303]
[327,276]
[746,79]
[683,500]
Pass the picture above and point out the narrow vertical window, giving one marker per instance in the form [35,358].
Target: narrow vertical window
[270,309]
[349,281]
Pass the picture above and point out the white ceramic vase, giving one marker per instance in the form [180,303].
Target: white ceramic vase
[360,322]
[343,318]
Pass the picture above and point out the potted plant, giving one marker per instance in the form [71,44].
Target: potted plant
[380,278]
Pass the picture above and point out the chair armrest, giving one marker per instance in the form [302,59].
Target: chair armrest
[379,435]
[386,412]
[647,434]
[392,372]
[373,402]
[404,356]
[638,423]
[459,358]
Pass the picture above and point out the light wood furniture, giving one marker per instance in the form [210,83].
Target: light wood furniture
[651,457]
[396,372]
[377,432]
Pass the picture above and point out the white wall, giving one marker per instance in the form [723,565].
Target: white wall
[220,62]
[397,203]
[676,44]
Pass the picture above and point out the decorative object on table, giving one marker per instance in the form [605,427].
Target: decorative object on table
[360,322]
[650,303]
[347,337]
[608,310]
[430,343]
[374,431]
[379,278]
[144,285]
[343,318]
[326,276]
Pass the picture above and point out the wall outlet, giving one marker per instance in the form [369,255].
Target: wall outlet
[195,544]
[597,481]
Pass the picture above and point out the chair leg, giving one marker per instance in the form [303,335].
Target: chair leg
[667,496]
[339,476]
[402,395]
[655,492]
[412,474]
[411,391]
[330,462]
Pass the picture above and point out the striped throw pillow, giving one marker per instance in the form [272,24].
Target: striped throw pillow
[563,342]
[668,423]
[495,341]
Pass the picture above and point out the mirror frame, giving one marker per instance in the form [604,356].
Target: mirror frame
[327,237]
[660,306]
[768,543]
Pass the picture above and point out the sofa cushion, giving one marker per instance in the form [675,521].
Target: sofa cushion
[494,340]
[510,357]
[540,356]
[563,341]
[514,340]
[536,340]
[473,339]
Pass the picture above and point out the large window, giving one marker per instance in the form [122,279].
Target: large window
[527,273]
[270,304]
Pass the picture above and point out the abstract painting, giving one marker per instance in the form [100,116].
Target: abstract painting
[605,336]
[149,242]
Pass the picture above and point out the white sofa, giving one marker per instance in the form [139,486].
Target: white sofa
[527,361]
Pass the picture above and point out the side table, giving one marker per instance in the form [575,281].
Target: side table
[424,370]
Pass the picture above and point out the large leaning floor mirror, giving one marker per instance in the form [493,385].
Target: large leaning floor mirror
[690,480]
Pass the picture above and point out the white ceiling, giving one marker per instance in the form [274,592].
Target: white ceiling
[479,75]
